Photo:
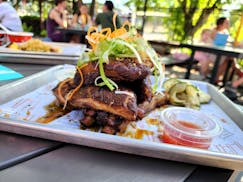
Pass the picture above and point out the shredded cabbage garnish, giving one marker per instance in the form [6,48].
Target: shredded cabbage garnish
[132,49]
[159,81]
[101,84]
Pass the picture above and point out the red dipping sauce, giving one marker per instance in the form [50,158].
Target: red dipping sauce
[187,127]
[186,140]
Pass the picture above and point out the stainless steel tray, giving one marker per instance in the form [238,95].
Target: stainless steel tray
[117,143]
[69,55]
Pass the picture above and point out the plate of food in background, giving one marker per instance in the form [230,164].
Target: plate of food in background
[35,51]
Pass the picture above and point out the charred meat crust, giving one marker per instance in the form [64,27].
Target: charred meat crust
[99,98]
[110,123]
[127,70]
[142,89]
[111,110]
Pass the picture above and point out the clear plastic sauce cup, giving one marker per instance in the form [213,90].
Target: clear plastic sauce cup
[188,127]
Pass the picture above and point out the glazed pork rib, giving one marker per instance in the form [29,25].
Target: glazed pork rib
[111,110]
[110,123]
[99,98]
[127,70]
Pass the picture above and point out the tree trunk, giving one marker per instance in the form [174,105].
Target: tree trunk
[189,28]
[73,4]
[40,12]
[92,8]
[144,15]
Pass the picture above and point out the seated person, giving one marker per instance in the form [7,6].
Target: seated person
[9,17]
[222,26]
[82,18]
[238,82]
[205,58]
[56,19]
[105,19]
[238,70]
[240,45]
[230,90]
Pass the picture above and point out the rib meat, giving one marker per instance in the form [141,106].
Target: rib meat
[110,110]
[157,101]
[127,70]
[110,123]
[99,98]
[142,89]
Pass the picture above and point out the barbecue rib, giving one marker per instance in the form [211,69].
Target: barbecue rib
[99,98]
[127,70]
[142,89]
[112,110]
[110,123]
[157,101]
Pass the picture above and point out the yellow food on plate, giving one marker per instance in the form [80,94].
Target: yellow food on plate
[14,46]
[35,45]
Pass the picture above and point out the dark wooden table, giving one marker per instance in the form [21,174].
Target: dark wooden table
[26,158]
[68,32]
[15,149]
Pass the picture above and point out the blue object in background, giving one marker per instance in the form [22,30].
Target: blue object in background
[8,74]
[220,39]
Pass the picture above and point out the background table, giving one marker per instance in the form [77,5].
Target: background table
[52,161]
[218,51]
[67,32]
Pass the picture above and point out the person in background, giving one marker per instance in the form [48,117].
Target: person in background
[205,58]
[105,19]
[231,88]
[9,17]
[240,45]
[238,82]
[82,18]
[222,26]
[56,19]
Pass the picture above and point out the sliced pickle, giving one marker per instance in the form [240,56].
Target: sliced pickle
[178,88]
[192,97]
[168,84]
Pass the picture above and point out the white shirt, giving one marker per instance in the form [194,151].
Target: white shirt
[9,17]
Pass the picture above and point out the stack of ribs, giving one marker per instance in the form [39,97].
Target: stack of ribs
[111,110]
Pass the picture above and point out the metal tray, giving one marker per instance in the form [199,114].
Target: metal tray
[117,143]
[69,55]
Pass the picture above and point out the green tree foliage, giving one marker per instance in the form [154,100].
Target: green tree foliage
[235,23]
[185,17]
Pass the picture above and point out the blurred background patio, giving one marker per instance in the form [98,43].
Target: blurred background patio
[157,20]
